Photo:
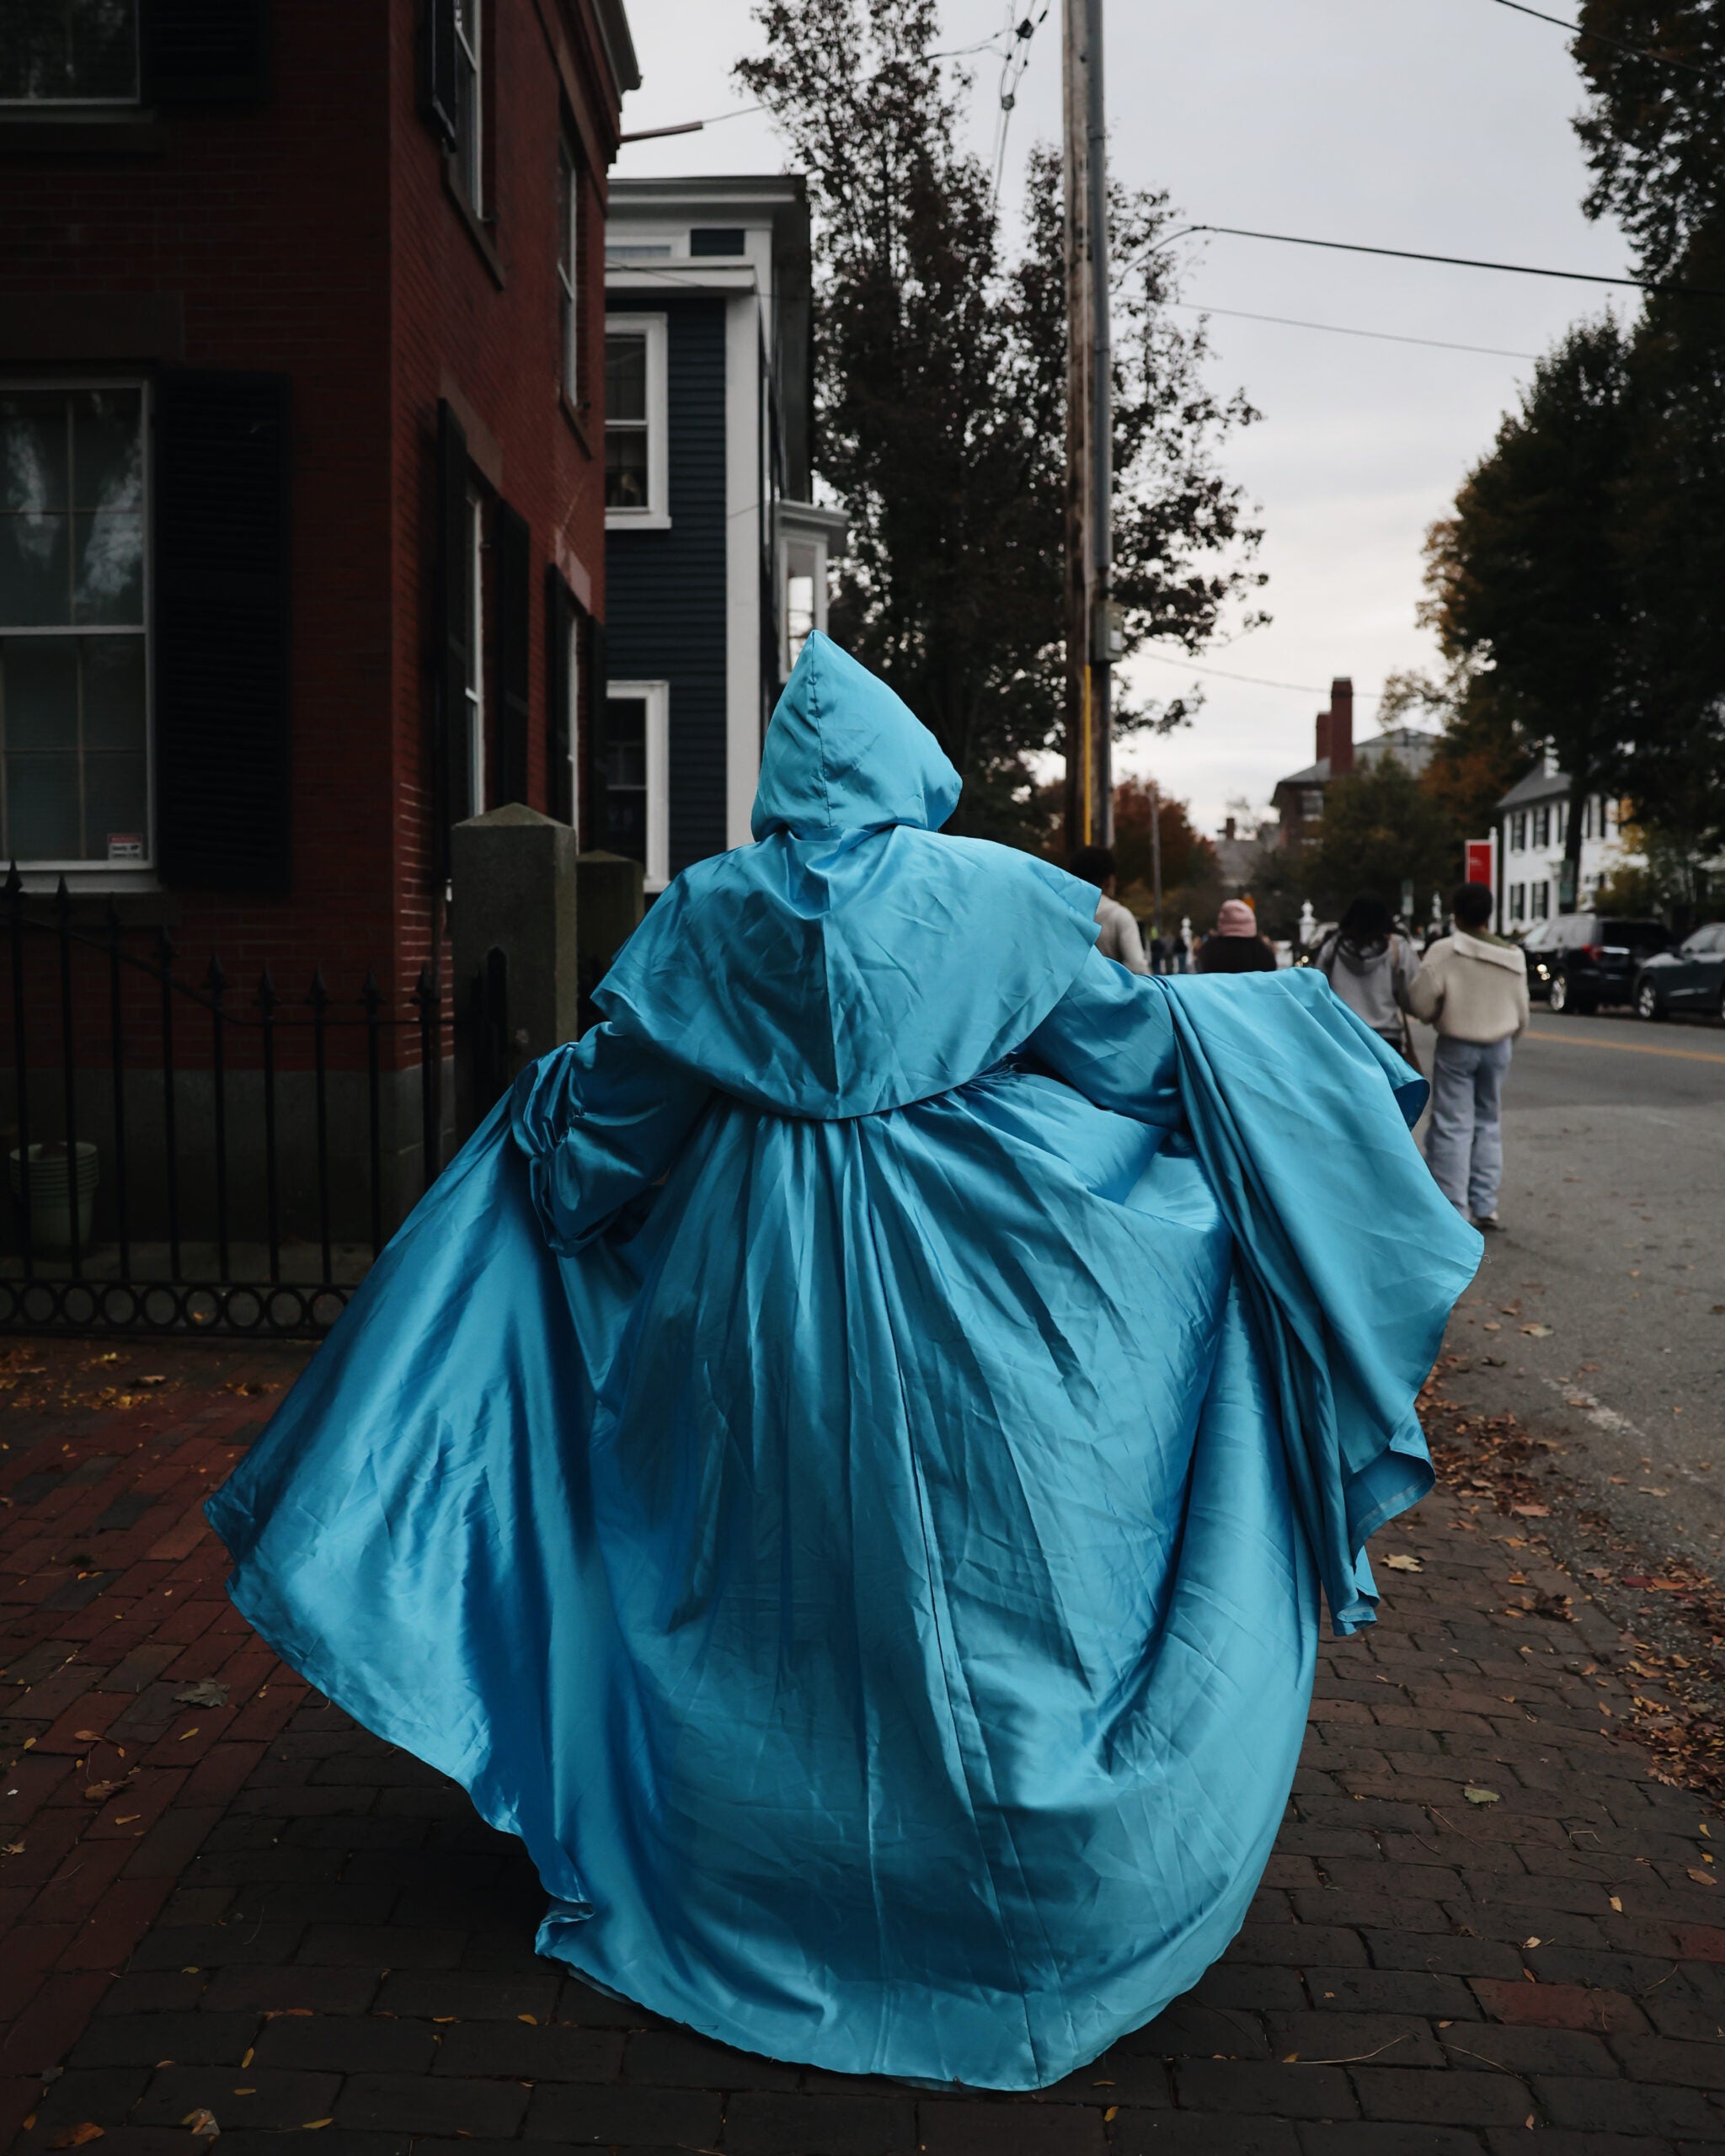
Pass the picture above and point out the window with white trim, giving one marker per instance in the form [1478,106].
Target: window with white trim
[1540,895]
[473,606]
[572,677]
[74,636]
[634,807]
[69,52]
[470,99]
[570,324]
[1518,832]
[636,424]
[1518,901]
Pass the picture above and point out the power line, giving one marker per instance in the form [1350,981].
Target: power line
[1599,37]
[1337,329]
[741,111]
[1253,680]
[1013,70]
[1415,254]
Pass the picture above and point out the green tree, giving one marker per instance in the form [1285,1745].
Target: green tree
[1529,590]
[1654,135]
[1381,828]
[941,383]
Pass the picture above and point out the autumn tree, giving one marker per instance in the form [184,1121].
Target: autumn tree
[940,397]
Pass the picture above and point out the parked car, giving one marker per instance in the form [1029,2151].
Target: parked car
[1581,960]
[1690,978]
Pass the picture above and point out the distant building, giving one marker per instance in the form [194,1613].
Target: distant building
[716,557]
[1240,850]
[1298,799]
[1531,826]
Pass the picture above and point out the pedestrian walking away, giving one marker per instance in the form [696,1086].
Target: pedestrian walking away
[844,1463]
[1371,967]
[1119,938]
[1472,986]
[1234,945]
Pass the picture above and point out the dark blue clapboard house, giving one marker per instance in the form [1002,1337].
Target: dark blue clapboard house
[716,557]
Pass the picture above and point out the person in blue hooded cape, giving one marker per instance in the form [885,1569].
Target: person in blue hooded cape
[844,1462]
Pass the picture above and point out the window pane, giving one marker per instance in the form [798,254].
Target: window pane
[33,581]
[110,566]
[626,467]
[107,448]
[105,48]
[115,798]
[33,451]
[60,49]
[625,767]
[42,804]
[39,692]
[114,693]
[626,378]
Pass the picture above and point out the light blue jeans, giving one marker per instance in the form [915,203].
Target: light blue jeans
[1464,1147]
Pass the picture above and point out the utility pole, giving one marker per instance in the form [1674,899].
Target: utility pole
[1090,640]
[1155,860]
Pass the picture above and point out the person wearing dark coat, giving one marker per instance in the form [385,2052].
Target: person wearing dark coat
[1234,945]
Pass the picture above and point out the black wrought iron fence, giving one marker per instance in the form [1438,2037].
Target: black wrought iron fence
[262,1147]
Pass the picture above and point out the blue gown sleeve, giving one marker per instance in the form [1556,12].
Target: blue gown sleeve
[600,1120]
[1352,1258]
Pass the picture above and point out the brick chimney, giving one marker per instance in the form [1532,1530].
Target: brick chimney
[1341,726]
[1322,747]
[1228,828]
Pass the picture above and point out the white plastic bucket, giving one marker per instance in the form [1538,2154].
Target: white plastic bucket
[50,1217]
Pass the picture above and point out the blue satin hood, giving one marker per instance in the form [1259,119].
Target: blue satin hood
[844,754]
[852,959]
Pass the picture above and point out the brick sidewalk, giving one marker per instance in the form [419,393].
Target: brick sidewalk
[1484,1917]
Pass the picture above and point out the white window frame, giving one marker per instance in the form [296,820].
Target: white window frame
[86,875]
[569,269]
[470,149]
[474,540]
[572,669]
[74,105]
[656,696]
[656,516]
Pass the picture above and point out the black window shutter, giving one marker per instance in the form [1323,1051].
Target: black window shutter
[598,815]
[223,765]
[205,51]
[442,105]
[452,629]
[513,589]
[560,611]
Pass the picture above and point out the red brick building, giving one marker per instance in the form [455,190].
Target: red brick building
[301,488]
[300,444]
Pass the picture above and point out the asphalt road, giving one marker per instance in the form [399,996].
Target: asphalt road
[1614,1239]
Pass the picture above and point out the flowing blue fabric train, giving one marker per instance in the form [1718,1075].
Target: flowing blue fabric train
[844,1462]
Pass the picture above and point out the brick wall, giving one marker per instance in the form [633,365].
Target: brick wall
[316,237]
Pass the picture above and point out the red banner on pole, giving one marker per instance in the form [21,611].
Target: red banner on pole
[1479,862]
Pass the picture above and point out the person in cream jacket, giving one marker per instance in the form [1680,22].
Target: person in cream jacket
[1473,988]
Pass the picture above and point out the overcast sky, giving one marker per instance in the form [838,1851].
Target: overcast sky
[1441,125]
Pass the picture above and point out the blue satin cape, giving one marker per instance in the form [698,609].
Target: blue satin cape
[844,1462]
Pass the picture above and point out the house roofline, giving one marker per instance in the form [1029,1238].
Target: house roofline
[619,44]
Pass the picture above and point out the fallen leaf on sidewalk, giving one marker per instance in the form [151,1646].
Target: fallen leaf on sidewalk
[1475,1795]
[1492,1326]
[1532,1511]
[1539,1332]
[1617,1902]
[1527,1947]
[205,1693]
[1703,1878]
[1402,1564]
[99,1792]
[203,2122]
[75,2136]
